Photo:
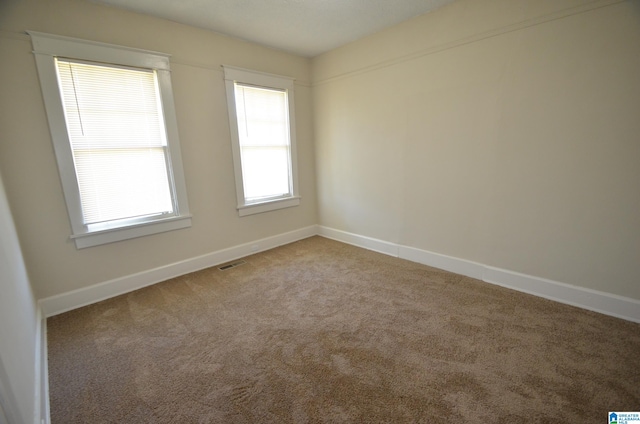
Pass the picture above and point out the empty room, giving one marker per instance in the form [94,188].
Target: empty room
[336,211]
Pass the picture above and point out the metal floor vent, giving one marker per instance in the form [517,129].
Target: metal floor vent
[231,265]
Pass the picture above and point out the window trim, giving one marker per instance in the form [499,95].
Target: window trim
[234,75]
[46,48]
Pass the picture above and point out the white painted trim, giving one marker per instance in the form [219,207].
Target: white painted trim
[271,205]
[144,228]
[605,303]
[58,45]
[42,411]
[369,243]
[597,301]
[448,263]
[87,295]
[233,75]
[593,300]
[46,48]
[37,395]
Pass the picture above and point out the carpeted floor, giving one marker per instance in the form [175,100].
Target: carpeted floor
[322,332]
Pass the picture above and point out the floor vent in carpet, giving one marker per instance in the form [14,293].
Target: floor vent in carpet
[231,265]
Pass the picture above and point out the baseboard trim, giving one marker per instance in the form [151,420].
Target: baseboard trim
[41,395]
[593,300]
[38,371]
[448,263]
[602,302]
[64,302]
[369,243]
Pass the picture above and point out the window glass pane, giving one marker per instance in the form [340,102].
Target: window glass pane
[262,116]
[265,172]
[116,129]
[263,129]
[119,184]
[110,106]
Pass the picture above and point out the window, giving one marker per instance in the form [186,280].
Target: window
[113,125]
[262,122]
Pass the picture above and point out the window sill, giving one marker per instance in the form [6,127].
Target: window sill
[269,205]
[96,238]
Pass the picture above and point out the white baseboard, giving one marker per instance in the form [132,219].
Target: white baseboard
[369,243]
[436,260]
[593,300]
[87,295]
[605,303]
[41,395]
[38,371]
[581,297]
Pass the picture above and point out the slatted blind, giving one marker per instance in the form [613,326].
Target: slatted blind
[117,135]
[263,129]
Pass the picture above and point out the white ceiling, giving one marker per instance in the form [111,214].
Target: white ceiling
[303,27]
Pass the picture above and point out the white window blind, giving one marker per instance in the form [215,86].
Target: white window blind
[263,131]
[118,139]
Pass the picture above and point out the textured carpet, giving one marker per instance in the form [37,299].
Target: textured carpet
[318,331]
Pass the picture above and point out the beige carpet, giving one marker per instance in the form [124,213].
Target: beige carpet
[322,332]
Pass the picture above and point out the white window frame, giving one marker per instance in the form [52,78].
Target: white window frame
[233,75]
[46,48]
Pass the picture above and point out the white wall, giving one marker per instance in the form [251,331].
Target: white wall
[18,326]
[29,166]
[503,132]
